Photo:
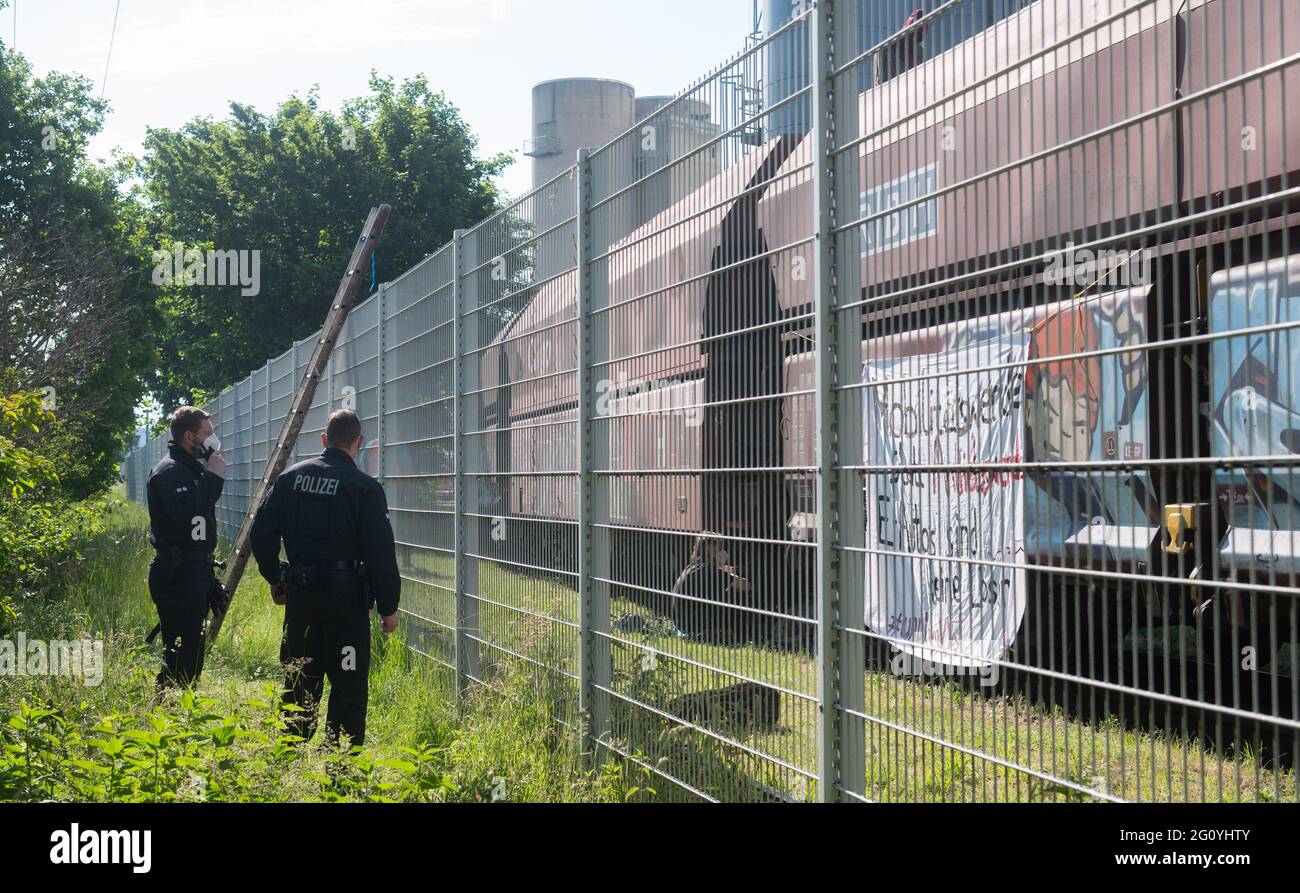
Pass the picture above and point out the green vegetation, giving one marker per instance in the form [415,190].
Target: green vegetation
[744,755]
[77,312]
[512,738]
[62,739]
[89,333]
[93,312]
[40,527]
[296,185]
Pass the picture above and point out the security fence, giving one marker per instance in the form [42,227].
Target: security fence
[924,430]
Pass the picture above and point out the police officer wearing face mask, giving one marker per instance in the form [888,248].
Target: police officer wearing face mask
[183,490]
[333,520]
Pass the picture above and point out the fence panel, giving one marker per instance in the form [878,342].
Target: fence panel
[1030,254]
[702,602]
[313,424]
[517,605]
[418,473]
[354,379]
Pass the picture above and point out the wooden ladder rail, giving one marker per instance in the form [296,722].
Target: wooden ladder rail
[344,299]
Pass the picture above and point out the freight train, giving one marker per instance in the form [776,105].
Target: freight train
[1075,228]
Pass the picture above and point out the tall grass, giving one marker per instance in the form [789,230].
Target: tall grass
[513,738]
[62,738]
[929,740]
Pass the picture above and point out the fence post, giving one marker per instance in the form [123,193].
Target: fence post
[463,647]
[293,377]
[266,431]
[266,416]
[457,460]
[593,667]
[841,648]
[830,667]
[226,404]
[381,389]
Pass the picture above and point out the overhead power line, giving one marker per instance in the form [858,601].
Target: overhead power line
[113,34]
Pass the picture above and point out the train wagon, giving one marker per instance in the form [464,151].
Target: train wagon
[1078,261]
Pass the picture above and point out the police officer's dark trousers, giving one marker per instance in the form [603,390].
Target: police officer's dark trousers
[180,587]
[327,635]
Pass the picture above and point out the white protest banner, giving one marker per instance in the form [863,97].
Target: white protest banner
[947,581]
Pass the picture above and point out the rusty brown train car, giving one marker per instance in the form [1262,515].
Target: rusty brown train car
[1116,206]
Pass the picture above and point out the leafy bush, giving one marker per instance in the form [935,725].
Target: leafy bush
[62,739]
[22,469]
[40,529]
[190,749]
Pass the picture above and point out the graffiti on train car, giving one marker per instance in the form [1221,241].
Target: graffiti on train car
[1255,400]
[950,545]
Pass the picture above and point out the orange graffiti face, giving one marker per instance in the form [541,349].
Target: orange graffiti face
[1064,396]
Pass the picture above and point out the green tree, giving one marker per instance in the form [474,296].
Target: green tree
[295,186]
[77,302]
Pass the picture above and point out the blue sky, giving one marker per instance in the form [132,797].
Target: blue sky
[175,59]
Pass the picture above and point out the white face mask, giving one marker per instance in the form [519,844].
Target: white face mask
[212,444]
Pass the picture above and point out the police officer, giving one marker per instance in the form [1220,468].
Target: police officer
[183,490]
[333,521]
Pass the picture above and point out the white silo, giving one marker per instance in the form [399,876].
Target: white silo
[668,132]
[788,70]
[573,113]
[570,114]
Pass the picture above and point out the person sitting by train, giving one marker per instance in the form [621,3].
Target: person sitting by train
[704,589]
